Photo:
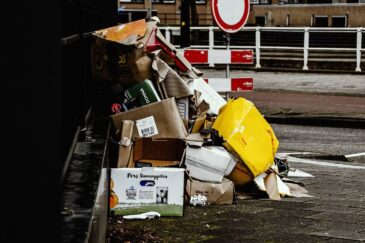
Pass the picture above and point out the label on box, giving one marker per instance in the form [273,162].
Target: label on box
[147,127]
[183,107]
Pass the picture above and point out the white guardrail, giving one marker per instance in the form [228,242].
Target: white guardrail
[258,47]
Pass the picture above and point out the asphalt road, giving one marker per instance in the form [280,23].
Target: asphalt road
[326,140]
[335,213]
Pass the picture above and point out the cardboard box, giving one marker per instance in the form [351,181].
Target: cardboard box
[141,190]
[125,147]
[118,53]
[150,152]
[158,120]
[209,163]
[216,193]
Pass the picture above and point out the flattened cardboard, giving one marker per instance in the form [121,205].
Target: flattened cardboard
[166,115]
[125,147]
[142,69]
[126,34]
[141,190]
[272,186]
[216,193]
[214,100]
[171,83]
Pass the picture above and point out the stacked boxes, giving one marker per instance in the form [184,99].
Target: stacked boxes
[177,137]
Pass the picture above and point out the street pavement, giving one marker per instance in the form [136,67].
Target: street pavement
[290,94]
[336,212]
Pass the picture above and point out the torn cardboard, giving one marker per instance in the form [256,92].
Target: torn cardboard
[126,34]
[273,186]
[216,193]
[125,144]
[172,85]
[166,118]
[208,94]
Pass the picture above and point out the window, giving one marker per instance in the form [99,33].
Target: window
[254,1]
[260,20]
[321,21]
[132,1]
[339,21]
[163,1]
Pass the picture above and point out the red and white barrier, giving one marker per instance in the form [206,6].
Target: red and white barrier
[230,84]
[219,56]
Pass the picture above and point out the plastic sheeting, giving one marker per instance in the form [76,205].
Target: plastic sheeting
[247,135]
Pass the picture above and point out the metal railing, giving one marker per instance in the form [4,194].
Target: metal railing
[306,47]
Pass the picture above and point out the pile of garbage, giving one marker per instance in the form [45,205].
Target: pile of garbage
[179,140]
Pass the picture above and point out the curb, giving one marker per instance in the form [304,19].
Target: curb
[284,70]
[341,122]
[309,92]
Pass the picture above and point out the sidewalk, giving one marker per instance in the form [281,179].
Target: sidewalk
[303,95]
[336,84]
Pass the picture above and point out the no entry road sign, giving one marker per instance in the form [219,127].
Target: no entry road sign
[230,15]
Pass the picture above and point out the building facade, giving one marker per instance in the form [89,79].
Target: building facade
[284,13]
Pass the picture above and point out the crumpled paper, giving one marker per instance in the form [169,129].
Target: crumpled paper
[198,200]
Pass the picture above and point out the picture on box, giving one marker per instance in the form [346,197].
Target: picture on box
[161,195]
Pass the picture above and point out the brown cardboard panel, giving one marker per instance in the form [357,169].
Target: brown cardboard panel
[159,149]
[126,34]
[272,187]
[165,113]
[155,163]
[141,70]
[216,193]
[198,123]
[113,62]
[240,175]
[172,83]
[126,143]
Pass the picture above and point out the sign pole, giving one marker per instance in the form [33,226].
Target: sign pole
[228,46]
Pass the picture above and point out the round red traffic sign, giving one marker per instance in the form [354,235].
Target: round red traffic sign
[230,15]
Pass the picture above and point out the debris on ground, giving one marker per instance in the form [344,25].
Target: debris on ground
[179,141]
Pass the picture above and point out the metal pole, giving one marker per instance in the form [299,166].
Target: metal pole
[358,49]
[228,46]
[211,42]
[149,13]
[306,46]
[167,34]
[258,45]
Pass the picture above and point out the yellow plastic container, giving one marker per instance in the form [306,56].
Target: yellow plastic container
[247,134]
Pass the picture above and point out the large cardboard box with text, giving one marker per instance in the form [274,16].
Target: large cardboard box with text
[140,190]
[158,120]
